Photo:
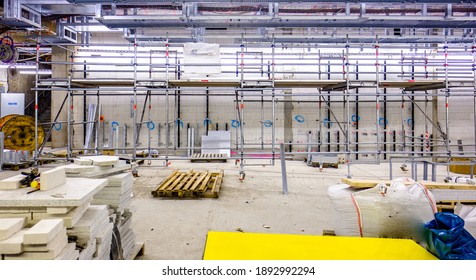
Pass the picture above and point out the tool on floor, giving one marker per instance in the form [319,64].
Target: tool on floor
[404,167]
[35,185]
[30,177]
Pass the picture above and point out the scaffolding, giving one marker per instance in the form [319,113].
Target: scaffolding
[452,74]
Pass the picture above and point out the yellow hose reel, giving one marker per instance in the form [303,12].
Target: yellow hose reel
[19,132]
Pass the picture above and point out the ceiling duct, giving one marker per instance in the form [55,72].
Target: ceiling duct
[257,1]
[16,15]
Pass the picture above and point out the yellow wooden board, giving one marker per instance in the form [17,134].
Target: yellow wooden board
[362,183]
[262,246]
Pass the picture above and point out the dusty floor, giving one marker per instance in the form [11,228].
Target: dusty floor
[177,228]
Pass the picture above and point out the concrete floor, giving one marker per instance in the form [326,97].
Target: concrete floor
[176,229]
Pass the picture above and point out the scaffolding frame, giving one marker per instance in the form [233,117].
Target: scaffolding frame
[453,84]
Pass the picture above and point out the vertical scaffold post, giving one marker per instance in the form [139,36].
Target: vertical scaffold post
[377,96]
[134,111]
[347,103]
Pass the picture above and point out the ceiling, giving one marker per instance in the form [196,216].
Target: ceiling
[238,21]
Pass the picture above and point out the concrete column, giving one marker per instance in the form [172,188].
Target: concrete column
[18,83]
[59,138]
[288,118]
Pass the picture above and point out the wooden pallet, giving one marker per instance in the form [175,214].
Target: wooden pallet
[450,205]
[209,158]
[137,251]
[191,184]
[363,183]
[18,166]
[325,165]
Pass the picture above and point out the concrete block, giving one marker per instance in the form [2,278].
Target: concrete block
[11,183]
[102,160]
[83,161]
[78,169]
[87,228]
[105,233]
[52,178]
[75,192]
[70,219]
[14,244]
[103,247]
[100,172]
[49,255]
[59,238]
[119,179]
[9,226]
[58,210]
[43,231]
[69,253]
[88,252]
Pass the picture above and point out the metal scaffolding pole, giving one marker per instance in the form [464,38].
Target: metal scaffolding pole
[347,102]
[377,97]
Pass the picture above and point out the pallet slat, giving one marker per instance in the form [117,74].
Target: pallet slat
[209,158]
[190,184]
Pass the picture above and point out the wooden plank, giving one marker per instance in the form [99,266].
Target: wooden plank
[190,182]
[204,183]
[164,184]
[215,190]
[195,185]
[363,183]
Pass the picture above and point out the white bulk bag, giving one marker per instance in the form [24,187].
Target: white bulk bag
[398,211]
[345,219]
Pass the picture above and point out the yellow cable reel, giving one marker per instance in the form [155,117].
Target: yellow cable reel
[19,132]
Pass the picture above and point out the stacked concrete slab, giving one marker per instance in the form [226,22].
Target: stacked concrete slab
[117,195]
[93,230]
[118,192]
[128,238]
[89,211]
[46,240]
[47,215]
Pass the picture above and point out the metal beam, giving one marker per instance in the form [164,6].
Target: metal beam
[258,1]
[138,21]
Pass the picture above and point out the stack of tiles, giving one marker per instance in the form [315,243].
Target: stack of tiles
[46,240]
[118,195]
[97,167]
[11,235]
[118,192]
[128,238]
[66,200]
[92,233]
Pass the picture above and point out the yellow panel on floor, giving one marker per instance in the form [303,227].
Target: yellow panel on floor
[260,246]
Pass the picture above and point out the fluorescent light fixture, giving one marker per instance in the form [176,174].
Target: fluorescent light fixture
[18,66]
[33,72]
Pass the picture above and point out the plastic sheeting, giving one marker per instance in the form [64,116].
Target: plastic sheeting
[205,56]
[448,240]
[468,214]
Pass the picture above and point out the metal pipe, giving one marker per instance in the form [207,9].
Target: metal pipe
[447,91]
[283,169]
[377,96]
[37,76]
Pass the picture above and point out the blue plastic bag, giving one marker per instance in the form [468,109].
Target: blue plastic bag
[448,240]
